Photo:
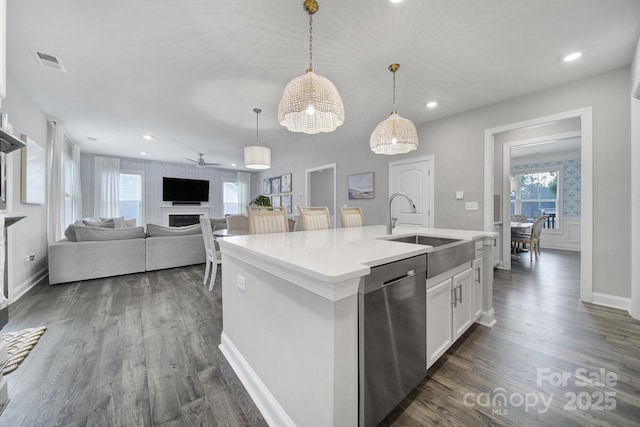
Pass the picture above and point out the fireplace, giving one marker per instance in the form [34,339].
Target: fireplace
[182,220]
[190,211]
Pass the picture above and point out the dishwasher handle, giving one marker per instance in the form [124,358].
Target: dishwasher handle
[395,280]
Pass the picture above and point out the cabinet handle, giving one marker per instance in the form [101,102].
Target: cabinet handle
[454,297]
[460,298]
[478,270]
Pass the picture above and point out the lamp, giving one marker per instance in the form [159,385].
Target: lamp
[395,135]
[256,156]
[311,103]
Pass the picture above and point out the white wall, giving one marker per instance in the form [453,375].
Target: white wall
[457,143]
[153,173]
[635,182]
[30,234]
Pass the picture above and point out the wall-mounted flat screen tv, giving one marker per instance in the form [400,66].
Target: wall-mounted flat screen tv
[185,190]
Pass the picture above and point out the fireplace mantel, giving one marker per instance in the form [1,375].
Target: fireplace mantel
[183,210]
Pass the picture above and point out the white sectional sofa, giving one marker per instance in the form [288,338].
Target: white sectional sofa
[125,251]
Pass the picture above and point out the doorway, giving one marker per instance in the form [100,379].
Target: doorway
[586,182]
[415,177]
[321,188]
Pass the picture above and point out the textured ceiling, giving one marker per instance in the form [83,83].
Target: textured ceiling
[191,71]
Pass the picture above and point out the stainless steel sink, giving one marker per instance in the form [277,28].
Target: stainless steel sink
[446,253]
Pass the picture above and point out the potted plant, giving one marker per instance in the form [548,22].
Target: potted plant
[262,200]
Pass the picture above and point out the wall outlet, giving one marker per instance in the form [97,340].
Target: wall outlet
[30,258]
[471,206]
[459,195]
[241,283]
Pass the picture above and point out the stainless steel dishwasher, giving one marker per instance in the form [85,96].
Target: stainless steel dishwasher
[392,328]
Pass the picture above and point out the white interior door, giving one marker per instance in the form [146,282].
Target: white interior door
[414,177]
[321,189]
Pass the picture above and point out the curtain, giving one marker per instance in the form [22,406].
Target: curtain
[55,211]
[244,191]
[107,187]
[76,192]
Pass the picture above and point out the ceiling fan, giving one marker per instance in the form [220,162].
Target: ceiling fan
[200,163]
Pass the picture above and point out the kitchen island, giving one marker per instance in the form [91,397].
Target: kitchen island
[290,315]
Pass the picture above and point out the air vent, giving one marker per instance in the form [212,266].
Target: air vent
[49,61]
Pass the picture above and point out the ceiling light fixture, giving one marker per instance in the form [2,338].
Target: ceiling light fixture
[572,57]
[432,104]
[311,103]
[394,135]
[396,1]
[147,137]
[143,153]
[256,156]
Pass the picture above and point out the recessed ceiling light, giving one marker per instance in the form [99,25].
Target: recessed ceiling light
[147,136]
[432,104]
[395,1]
[233,164]
[572,56]
[144,153]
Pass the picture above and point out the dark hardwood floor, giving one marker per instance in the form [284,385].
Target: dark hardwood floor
[142,350]
[543,332]
[135,350]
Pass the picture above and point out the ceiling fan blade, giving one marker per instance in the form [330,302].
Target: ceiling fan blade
[191,160]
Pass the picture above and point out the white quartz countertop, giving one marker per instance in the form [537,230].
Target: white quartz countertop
[336,255]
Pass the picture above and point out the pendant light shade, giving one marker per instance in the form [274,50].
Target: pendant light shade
[311,103]
[256,156]
[394,135]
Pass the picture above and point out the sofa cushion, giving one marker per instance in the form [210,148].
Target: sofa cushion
[154,230]
[218,223]
[91,233]
[70,232]
[129,223]
[106,222]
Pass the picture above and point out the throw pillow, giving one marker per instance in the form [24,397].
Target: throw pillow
[129,223]
[70,231]
[91,233]
[218,223]
[104,223]
[154,230]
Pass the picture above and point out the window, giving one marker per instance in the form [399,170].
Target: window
[537,193]
[131,196]
[230,197]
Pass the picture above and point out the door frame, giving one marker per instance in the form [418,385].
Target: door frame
[586,217]
[307,196]
[432,167]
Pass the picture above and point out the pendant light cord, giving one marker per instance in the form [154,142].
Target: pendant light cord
[394,92]
[310,41]
[257,139]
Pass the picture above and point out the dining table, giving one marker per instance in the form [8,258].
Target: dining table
[518,227]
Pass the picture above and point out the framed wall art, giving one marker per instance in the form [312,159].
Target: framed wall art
[33,172]
[361,186]
[285,183]
[266,186]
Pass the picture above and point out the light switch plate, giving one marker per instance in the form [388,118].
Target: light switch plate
[459,195]
[471,206]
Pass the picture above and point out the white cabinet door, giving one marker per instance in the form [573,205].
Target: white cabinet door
[3,48]
[476,266]
[439,327]
[463,304]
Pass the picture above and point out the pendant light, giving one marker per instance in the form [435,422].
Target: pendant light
[395,135]
[311,103]
[256,156]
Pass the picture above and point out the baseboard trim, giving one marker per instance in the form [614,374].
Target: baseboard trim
[611,301]
[25,286]
[269,407]
[487,318]
[574,248]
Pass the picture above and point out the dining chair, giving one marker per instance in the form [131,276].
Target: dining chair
[314,218]
[518,218]
[268,220]
[532,239]
[238,224]
[351,217]
[213,256]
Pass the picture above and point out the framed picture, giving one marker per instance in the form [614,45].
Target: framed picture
[275,185]
[266,186]
[285,183]
[286,202]
[276,201]
[33,172]
[361,186]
